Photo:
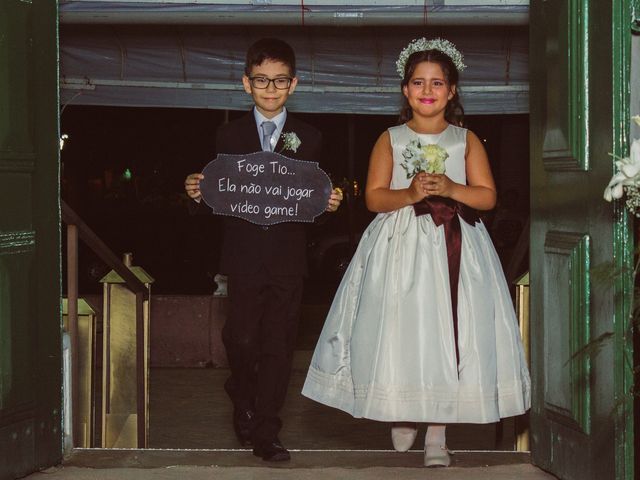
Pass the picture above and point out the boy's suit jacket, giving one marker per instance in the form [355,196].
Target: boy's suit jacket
[247,247]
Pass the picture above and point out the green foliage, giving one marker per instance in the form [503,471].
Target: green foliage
[593,348]
[604,276]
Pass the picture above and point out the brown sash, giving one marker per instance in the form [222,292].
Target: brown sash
[448,212]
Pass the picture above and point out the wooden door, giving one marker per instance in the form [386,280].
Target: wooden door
[30,345]
[579,89]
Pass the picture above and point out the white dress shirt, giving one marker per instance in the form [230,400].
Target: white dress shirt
[279,120]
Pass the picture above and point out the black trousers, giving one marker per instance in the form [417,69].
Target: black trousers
[259,337]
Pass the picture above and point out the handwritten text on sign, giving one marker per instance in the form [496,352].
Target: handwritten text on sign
[265,188]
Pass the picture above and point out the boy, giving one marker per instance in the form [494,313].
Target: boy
[265,265]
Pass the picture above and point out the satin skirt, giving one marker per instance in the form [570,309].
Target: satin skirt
[387,349]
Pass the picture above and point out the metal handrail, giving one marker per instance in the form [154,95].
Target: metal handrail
[77,228]
[518,255]
[70,217]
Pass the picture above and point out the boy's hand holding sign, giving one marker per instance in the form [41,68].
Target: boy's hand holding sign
[265,188]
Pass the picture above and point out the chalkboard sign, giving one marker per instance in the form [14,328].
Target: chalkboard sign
[265,188]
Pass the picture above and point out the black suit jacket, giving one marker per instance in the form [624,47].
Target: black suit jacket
[280,248]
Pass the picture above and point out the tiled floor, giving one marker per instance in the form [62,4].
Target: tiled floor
[189,409]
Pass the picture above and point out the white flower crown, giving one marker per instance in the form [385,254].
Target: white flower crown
[422,44]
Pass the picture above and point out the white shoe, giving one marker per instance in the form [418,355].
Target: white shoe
[403,435]
[436,456]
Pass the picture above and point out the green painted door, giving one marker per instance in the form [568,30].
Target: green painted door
[30,346]
[579,113]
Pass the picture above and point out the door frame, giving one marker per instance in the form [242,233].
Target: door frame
[624,11]
[624,14]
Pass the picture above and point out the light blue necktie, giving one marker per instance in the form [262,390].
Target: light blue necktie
[268,128]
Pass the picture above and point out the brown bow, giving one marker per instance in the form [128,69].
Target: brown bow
[448,212]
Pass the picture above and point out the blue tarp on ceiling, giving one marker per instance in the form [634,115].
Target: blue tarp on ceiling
[342,69]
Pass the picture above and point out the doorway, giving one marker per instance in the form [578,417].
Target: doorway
[123,174]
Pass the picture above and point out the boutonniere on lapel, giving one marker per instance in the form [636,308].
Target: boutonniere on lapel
[290,141]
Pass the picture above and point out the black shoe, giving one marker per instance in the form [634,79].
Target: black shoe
[271,451]
[243,421]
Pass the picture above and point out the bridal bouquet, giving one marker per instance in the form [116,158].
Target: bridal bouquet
[423,158]
[624,183]
[627,179]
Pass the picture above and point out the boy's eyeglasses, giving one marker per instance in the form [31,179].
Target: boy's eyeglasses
[281,83]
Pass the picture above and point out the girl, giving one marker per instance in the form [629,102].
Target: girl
[422,328]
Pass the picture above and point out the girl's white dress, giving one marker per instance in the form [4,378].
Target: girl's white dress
[387,349]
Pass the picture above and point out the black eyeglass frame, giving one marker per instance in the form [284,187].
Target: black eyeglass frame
[269,81]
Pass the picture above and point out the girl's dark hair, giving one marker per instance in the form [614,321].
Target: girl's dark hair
[454,113]
[270,49]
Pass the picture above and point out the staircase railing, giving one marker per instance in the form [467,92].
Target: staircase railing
[78,229]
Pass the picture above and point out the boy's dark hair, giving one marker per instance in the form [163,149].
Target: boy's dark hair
[270,49]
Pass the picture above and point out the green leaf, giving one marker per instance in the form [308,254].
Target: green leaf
[592,348]
[605,274]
